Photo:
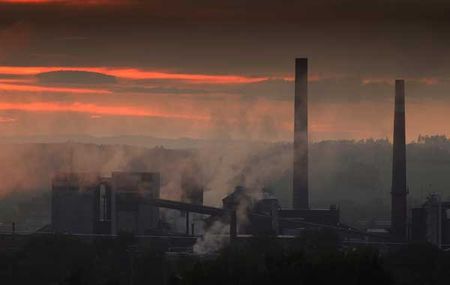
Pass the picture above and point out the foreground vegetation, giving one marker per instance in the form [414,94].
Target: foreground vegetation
[316,258]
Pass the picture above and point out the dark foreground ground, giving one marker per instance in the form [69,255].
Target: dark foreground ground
[316,258]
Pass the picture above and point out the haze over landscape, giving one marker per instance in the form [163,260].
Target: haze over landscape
[219,78]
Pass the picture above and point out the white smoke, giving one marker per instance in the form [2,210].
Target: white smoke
[213,240]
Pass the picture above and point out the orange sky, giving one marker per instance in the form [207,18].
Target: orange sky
[78,107]
[210,69]
[75,2]
[30,1]
[35,88]
[133,73]
[218,111]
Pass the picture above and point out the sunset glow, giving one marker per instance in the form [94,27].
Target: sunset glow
[137,74]
[64,2]
[228,69]
[30,1]
[34,88]
[4,120]
[87,108]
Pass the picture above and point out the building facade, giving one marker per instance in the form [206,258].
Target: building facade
[87,203]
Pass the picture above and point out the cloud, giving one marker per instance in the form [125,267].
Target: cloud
[75,77]
[390,81]
[161,63]
[429,81]
[94,109]
[377,81]
[42,89]
[65,2]
[136,74]
[160,90]
[4,119]
[17,80]
[30,1]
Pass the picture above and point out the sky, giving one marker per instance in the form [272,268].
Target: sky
[221,69]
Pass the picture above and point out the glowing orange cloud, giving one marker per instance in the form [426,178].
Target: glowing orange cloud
[29,1]
[18,80]
[7,120]
[426,81]
[429,81]
[311,77]
[93,109]
[65,2]
[137,74]
[368,81]
[35,88]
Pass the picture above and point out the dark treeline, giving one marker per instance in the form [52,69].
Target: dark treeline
[66,260]
[315,258]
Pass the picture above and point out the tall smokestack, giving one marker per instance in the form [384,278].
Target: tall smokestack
[399,189]
[300,176]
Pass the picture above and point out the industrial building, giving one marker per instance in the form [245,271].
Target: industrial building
[301,216]
[257,216]
[428,223]
[89,204]
[265,215]
[130,192]
[86,203]
[399,189]
[300,197]
[76,203]
[396,229]
[431,222]
[92,204]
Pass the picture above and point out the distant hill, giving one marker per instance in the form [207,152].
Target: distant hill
[131,140]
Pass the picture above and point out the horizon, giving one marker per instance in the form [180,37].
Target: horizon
[78,138]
